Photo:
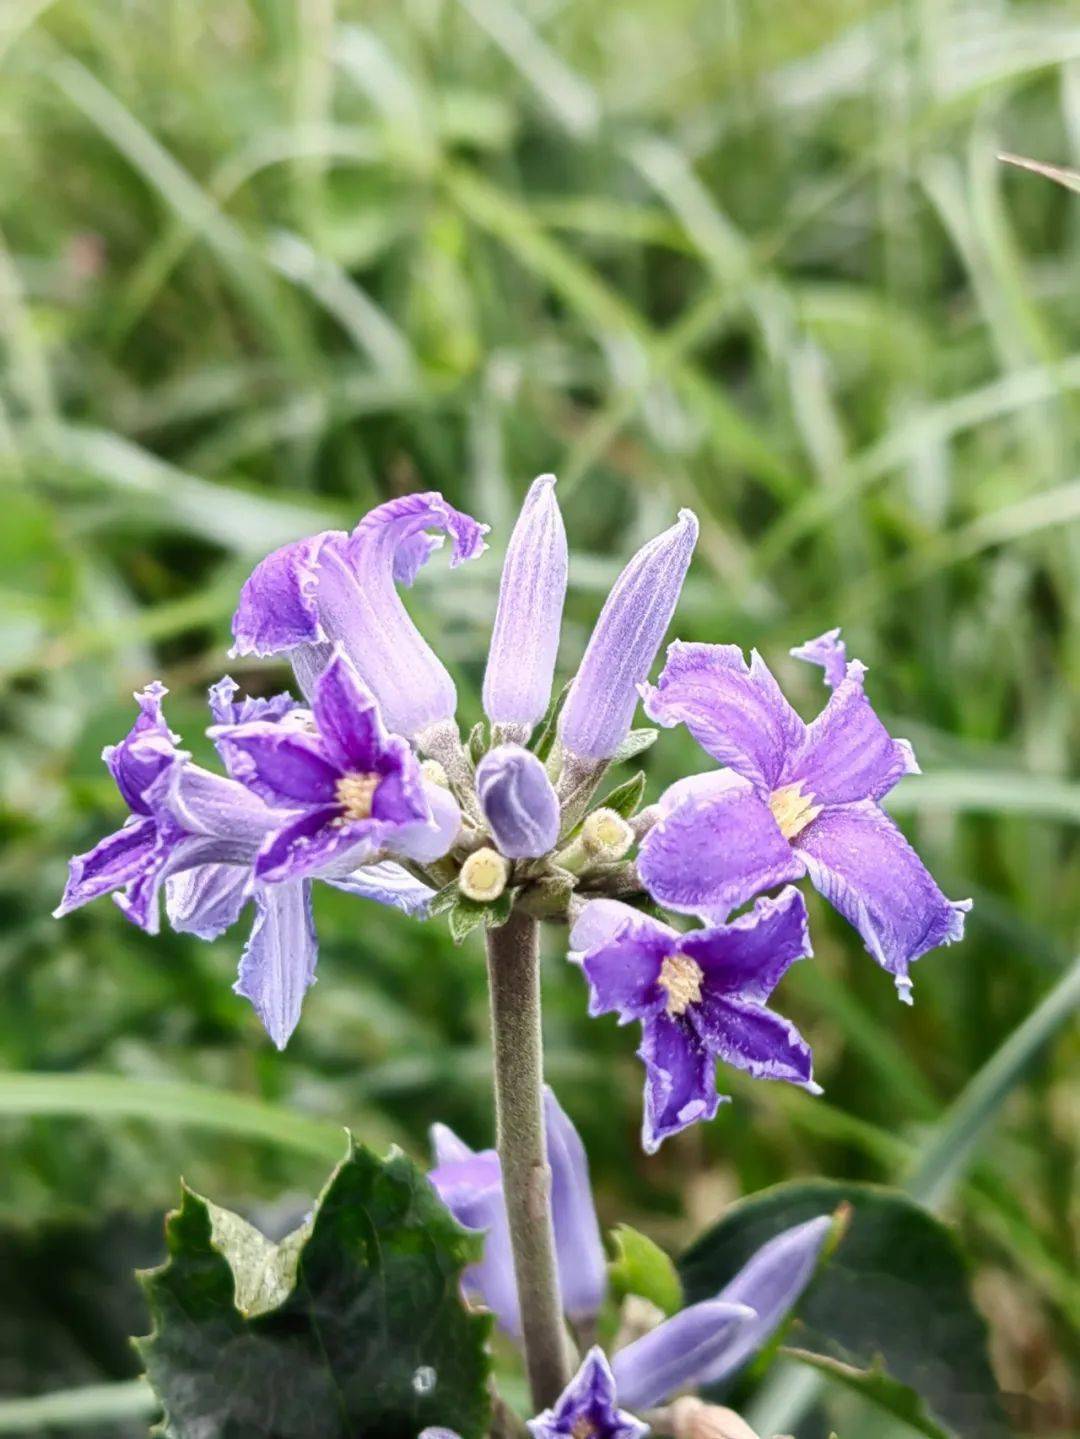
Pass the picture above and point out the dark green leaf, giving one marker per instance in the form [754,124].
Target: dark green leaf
[353,1324]
[877,1388]
[641,1267]
[635,743]
[625,798]
[445,900]
[465,915]
[545,740]
[894,1296]
[478,742]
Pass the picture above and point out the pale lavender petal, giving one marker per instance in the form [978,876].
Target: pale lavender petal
[848,754]
[579,1249]
[735,711]
[470,1185]
[278,963]
[347,718]
[600,706]
[446,1146]
[601,919]
[206,901]
[858,859]
[278,608]
[624,971]
[680,1080]
[148,748]
[525,636]
[751,1037]
[770,1283]
[709,856]
[679,1352]
[710,784]
[313,841]
[113,862]
[747,957]
[828,651]
[428,839]
[200,802]
[173,852]
[362,610]
[285,767]
[386,883]
[588,1406]
[519,803]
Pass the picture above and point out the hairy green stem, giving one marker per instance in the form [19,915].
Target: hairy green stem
[513,953]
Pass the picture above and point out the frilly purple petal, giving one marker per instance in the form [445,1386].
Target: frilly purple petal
[828,651]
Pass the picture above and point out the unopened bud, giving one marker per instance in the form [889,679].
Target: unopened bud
[434,773]
[694,1419]
[483,875]
[606,835]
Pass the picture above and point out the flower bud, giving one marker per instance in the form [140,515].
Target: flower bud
[606,835]
[600,706]
[484,875]
[519,804]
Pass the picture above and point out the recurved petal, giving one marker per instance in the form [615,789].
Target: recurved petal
[752,1037]
[680,1080]
[847,753]
[770,1283]
[226,709]
[679,1352]
[858,859]
[518,801]
[278,609]
[113,862]
[707,857]
[206,901]
[828,651]
[278,963]
[600,706]
[386,883]
[578,1247]
[525,636]
[746,958]
[735,711]
[148,748]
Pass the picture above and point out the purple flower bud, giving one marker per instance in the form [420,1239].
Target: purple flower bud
[588,1406]
[578,1247]
[518,801]
[600,706]
[525,636]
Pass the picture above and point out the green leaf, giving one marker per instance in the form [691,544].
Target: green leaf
[894,1296]
[641,1267]
[625,798]
[353,1324]
[878,1388]
[445,900]
[478,742]
[635,743]
[465,915]
[545,740]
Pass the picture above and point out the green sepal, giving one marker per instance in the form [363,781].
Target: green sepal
[478,742]
[353,1324]
[465,914]
[641,1267]
[635,743]
[625,798]
[445,899]
[544,742]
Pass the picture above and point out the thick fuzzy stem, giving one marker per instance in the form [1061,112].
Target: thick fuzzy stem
[513,953]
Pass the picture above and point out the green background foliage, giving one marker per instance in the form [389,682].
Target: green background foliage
[264,263]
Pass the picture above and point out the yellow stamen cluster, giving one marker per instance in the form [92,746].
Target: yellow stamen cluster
[792,809]
[483,875]
[582,1428]
[681,977]
[354,793]
[606,835]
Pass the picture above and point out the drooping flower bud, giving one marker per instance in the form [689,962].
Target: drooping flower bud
[518,801]
[525,636]
[600,706]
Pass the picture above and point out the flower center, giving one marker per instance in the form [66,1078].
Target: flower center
[583,1428]
[681,977]
[354,793]
[792,809]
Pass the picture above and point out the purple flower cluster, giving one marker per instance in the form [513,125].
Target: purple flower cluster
[366,785]
[702,1344]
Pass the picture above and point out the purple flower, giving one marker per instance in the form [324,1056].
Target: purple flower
[588,1407]
[182,817]
[600,706]
[354,791]
[699,997]
[828,651]
[470,1185]
[711,1340]
[795,800]
[525,636]
[518,801]
[339,589]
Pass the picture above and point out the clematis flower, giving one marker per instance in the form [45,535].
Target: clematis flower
[470,1185]
[699,997]
[795,800]
[588,1407]
[525,635]
[354,791]
[341,589]
[518,802]
[604,694]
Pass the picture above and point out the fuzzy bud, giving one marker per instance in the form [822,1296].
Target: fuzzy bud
[484,875]
[606,835]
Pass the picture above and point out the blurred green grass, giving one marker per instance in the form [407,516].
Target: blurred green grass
[264,264]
